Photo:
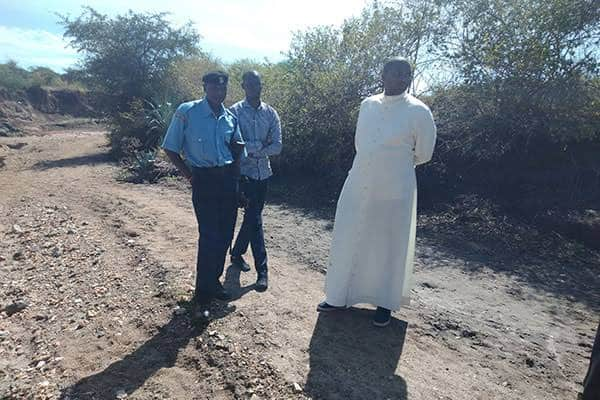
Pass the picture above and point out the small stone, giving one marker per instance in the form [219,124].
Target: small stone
[2,258]
[56,252]
[18,255]
[530,363]
[179,310]
[15,307]
[71,231]
[44,384]
[222,346]
[297,387]
[505,383]
[468,333]
[121,394]
[429,285]
[17,229]
[100,290]
[212,333]
[40,364]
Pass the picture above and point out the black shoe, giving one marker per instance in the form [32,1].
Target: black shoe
[239,262]
[201,310]
[324,307]
[382,318]
[221,293]
[262,282]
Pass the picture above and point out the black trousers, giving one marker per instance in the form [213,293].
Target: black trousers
[591,383]
[251,231]
[214,195]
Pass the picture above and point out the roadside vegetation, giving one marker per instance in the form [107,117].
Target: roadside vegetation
[513,85]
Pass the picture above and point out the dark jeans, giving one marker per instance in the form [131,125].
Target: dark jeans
[252,226]
[214,195]
[591,383]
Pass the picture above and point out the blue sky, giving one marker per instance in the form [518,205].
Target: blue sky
[231,29]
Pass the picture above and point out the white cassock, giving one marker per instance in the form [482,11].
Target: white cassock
[371,258]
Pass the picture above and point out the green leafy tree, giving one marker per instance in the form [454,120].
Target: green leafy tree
[522,118]
[14,77]
[329,70]
[128,56]
[533,63]
[183,81]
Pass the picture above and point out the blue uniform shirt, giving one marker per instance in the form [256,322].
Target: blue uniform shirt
[202,137]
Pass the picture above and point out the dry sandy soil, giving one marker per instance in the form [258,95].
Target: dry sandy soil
[95,275]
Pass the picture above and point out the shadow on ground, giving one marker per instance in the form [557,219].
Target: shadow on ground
[494,239]
[310,198]
[92,159]
[479,234]
[233,285]
[130,373]
[350,359]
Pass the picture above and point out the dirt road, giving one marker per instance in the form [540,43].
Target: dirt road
[94,275]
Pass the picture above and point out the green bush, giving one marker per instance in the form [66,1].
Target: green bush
[513,86]
[13,77]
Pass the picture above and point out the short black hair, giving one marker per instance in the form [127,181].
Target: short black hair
[399,62]
[248,74]
[215,77]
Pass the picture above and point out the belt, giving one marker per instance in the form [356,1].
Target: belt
[222,171]
[211,169]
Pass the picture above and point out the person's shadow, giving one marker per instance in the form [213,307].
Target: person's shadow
[233,285]
[130,373]
[352,359]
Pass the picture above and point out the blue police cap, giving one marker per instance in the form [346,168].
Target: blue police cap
[217,77]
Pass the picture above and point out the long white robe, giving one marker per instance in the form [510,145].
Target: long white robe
[371,257]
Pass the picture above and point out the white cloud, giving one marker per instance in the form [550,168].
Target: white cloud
[34,47]
[263,26]
[260,27]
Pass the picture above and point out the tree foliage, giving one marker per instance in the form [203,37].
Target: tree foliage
[329,70]
[513,86]
[13,77]
[129,55]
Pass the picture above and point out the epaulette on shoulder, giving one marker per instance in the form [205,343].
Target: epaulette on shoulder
[185,107]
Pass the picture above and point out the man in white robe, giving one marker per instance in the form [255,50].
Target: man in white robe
[371,258]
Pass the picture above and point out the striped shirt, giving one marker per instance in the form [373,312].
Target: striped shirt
[261,130]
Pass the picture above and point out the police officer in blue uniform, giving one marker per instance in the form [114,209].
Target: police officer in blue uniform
[205,144]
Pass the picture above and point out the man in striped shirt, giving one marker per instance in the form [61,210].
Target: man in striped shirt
[261,129]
